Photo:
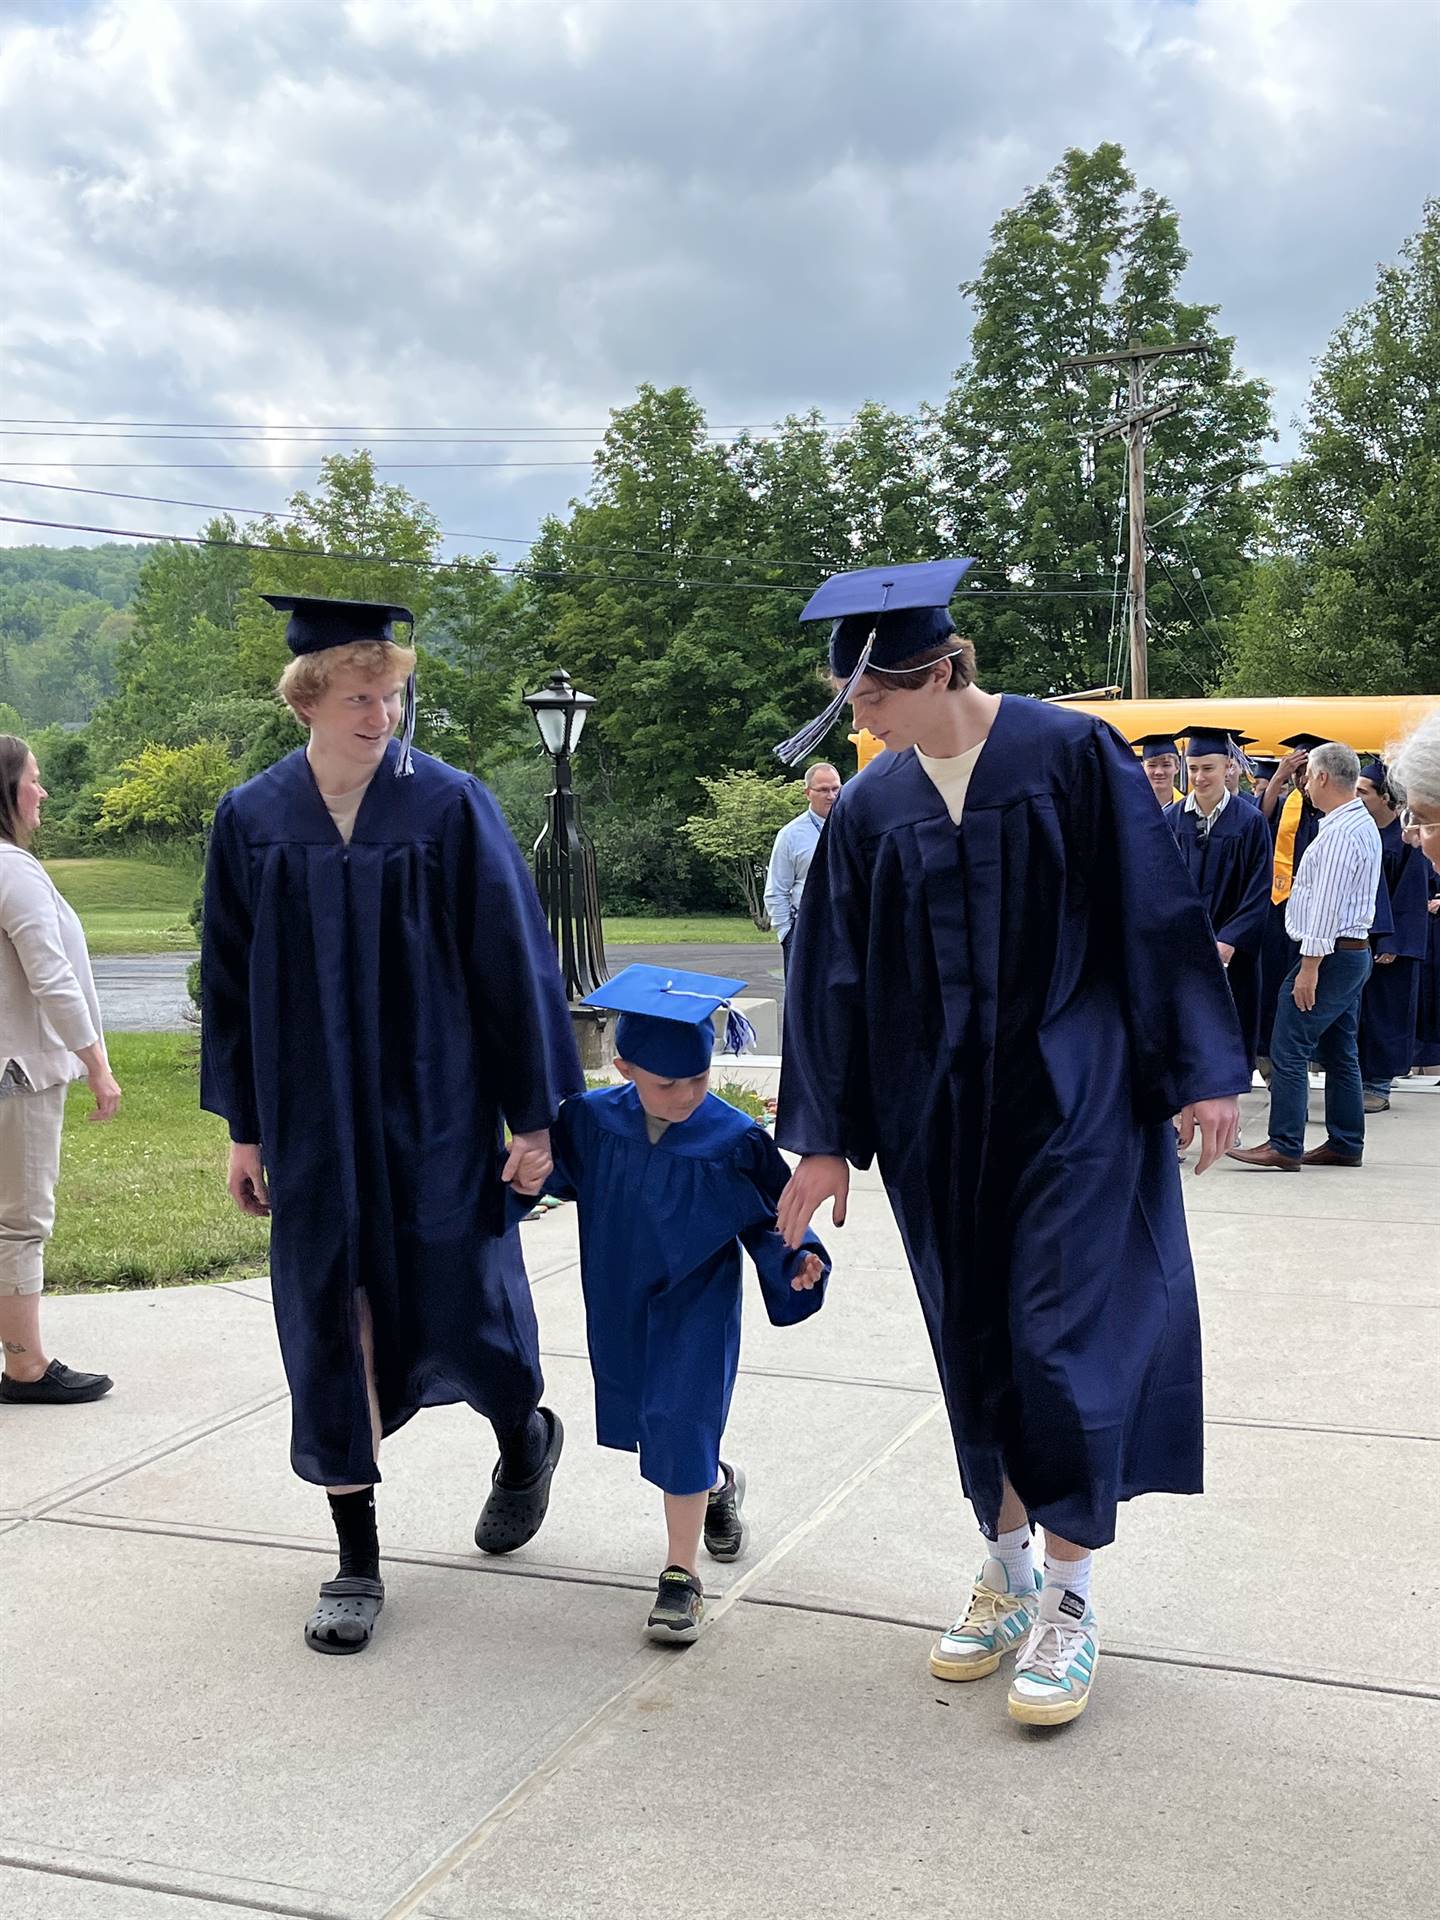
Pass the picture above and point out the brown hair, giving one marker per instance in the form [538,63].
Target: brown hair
[309,674]
[913,673]
[14,758]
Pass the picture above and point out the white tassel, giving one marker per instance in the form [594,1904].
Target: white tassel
[405,763]
[740,1036]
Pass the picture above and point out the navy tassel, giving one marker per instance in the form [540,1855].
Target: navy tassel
[739,1034]
[810,735]
[405,764]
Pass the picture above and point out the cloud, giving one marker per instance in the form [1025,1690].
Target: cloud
[499,212]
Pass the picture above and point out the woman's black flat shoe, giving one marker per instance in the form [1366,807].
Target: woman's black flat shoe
[58,1386]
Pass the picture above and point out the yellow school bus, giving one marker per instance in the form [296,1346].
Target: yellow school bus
[1369,724]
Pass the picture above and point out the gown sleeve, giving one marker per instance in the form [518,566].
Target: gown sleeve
[826,1102]
[227,1067]
[1244,925]
[1409,892]
[1185,1038]
[775,1263]
[516,996]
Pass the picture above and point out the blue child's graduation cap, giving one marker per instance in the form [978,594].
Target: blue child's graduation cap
[666,1018]
[316,624]
[883,617]
[1153,745]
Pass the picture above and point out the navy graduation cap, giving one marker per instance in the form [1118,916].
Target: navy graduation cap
[316,624]
[666,1018]
[1153,745]
[1376,772]
[883,616]
[1305,742]
[1207,737]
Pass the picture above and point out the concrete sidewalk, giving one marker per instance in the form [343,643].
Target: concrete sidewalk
[1264,1737]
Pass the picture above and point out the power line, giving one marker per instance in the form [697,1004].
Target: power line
[303,426]
[315,437]
[294,466]
[523,570]
[498,539]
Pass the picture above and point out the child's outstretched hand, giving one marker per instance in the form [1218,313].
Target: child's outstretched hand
[808,1274]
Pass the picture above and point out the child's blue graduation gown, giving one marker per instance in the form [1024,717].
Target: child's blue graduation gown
[1390,1005]
[1232,868]
[661,1228]
[1006,1014]
[371,1013]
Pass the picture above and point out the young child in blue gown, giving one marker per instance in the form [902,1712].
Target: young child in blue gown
[671,1184]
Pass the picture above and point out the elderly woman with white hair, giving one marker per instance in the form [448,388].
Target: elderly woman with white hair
[1415,779]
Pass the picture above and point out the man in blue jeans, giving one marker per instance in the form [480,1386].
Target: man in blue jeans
[1329,912]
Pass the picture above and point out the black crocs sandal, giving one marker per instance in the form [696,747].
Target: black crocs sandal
[512,1516]
[345,1614]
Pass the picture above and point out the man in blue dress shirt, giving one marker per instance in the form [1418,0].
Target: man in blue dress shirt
[795,848]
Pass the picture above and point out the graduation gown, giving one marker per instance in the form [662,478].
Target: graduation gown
[1390,1005]
[371,1014]
[1232,869]
[1005,1015]
[661,1230]
[1427,1016]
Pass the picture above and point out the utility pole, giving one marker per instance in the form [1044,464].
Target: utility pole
[1131,426]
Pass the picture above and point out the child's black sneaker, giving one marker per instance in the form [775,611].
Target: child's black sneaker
[678,1610]
[725,1529]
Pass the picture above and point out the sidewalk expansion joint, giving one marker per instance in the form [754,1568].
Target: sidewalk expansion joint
[1320,1426]
[236,1902]
[788,1373]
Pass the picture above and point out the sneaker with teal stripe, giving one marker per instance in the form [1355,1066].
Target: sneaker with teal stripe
[995,1621]
[1056,1666]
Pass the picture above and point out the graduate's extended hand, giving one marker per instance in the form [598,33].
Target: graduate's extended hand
[1218,1124]
[819,1177]
[528,1164]
[808,1274]
[247,1181]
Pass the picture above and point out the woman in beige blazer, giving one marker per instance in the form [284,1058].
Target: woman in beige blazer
[49,1035]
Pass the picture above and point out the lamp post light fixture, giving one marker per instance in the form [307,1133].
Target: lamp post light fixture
[565,863]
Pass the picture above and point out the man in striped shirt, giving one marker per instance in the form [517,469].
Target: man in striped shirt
[1331,906]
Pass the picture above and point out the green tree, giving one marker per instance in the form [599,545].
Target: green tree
[1085,264]
[172,789]
[473,666]
[1350,601]
[738,831]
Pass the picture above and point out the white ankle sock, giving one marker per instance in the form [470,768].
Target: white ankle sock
[1074,1574]
[1016,1553]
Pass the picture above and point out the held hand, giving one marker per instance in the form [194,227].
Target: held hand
[819,1177]
[1303,991]
[1218,1124]
[528,1165]
[246,1182]
[808,1274]
[1225,951]
[1384,959]
[106,1089]
[1434,906]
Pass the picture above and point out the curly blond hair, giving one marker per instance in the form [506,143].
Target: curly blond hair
[309,674]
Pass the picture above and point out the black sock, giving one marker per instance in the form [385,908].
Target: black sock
[354,1517]
[523,1448]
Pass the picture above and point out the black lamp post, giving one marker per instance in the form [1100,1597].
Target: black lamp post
[565,861]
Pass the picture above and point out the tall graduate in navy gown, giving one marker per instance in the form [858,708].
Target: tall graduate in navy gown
[1003,988]
[1390,1006]
[1224,841]
[380,1000]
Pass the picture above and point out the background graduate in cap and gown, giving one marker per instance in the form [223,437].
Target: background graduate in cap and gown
[1390,1004]
[380,999]
[672,1183]
[1224,841]
[1294,824]
[1003,988]
[1160,757]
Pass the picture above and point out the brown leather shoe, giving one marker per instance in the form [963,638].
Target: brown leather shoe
[1265,1157]
[1326,1156]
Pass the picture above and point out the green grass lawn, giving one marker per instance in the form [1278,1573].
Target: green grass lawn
[142,1200]
[717,929]
[129,906]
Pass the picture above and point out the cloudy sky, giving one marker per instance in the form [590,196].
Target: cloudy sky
[501,215]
